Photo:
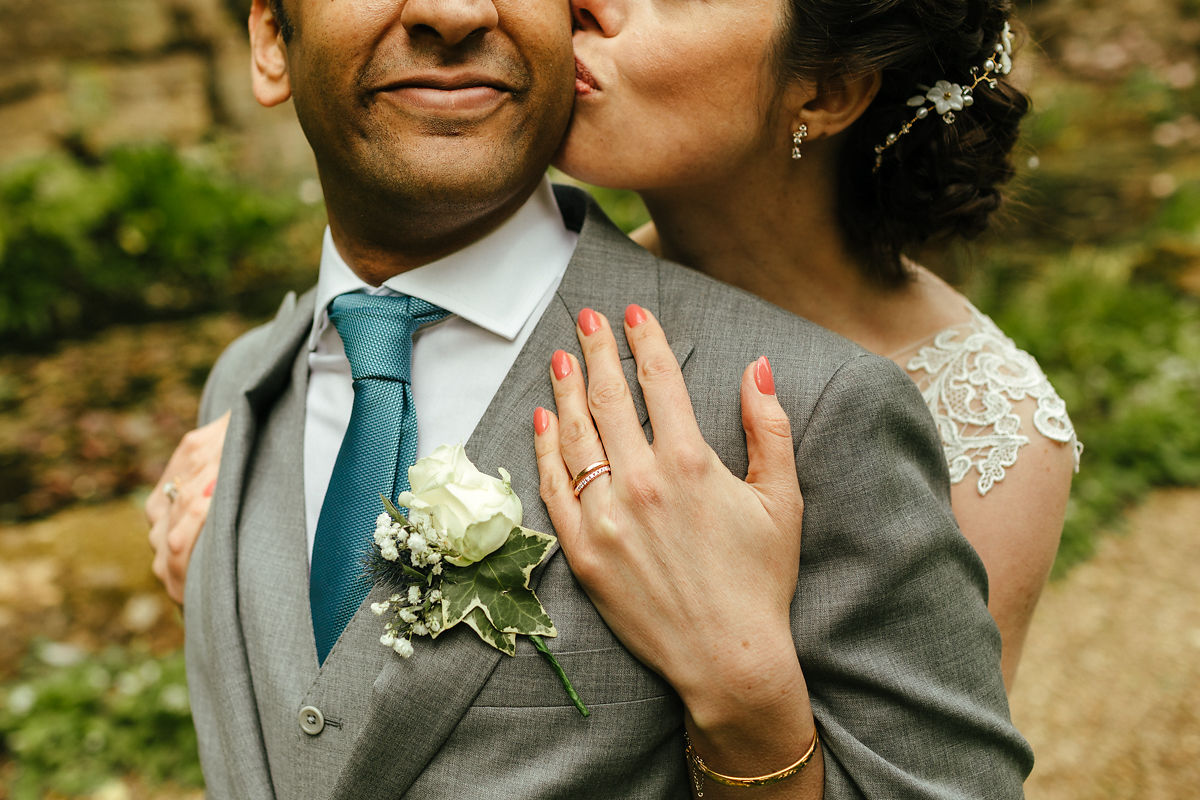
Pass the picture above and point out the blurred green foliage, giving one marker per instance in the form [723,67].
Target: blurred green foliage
[71,724]
[139,234]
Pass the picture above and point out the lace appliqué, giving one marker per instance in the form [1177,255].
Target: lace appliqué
[973,376]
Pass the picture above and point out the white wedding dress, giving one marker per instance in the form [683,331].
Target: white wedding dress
[978,384]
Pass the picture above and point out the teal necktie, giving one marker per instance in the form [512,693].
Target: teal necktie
[380,446]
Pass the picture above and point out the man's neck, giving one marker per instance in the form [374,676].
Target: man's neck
[378,247]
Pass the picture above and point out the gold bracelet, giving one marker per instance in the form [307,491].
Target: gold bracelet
[699,769]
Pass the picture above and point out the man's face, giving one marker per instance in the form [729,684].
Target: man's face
[450,104]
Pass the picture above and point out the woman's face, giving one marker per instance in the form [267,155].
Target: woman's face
[673,92]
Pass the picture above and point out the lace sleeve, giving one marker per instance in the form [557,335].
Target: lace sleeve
[971,377]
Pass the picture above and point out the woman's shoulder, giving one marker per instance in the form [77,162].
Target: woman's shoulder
[989,398]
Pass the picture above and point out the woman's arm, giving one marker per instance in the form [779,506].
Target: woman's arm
[1016,528]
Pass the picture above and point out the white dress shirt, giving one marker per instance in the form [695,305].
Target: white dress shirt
[495,290]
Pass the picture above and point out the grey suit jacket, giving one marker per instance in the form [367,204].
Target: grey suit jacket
[890,618]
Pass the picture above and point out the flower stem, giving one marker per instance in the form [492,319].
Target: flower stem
[562,675]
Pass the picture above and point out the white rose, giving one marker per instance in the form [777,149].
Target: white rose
[476,512]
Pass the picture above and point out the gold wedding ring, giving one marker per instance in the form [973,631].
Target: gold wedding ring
[589,474]
[171,489]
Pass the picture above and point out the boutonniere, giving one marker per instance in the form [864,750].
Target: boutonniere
[460,556]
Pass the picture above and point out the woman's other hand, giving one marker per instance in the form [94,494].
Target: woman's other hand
[692,568]
[177,517]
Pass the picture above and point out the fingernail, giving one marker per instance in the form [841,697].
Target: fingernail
[541,421]
[560,362]
[763,376]
[634,315]
[208,490]
[589,321]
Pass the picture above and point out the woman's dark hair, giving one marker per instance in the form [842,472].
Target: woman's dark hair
[938,181]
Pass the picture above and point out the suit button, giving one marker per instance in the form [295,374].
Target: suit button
[312,721]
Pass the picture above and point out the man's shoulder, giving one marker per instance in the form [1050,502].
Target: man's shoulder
[690,302]
[724,322]
[245,356]
[246,352]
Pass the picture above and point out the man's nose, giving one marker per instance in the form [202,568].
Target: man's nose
[450,21]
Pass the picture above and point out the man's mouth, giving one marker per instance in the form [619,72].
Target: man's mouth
[585,81]
[449,93]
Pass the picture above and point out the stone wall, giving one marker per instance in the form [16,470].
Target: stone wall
[93,73]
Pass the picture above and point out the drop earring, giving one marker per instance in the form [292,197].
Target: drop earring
[798,137]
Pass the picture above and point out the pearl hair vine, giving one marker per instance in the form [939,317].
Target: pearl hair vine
[944,97]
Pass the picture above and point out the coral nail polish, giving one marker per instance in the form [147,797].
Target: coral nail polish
[560,362]
[589,322]
[763,377]
[541,420]
[208,490]
[634,315]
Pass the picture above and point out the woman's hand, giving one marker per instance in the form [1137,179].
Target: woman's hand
[692,568]
[175,522]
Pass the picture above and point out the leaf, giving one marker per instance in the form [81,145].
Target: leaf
[504,642]
[499,587]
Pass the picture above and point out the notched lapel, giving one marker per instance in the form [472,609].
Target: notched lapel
[292,323]
[212,603]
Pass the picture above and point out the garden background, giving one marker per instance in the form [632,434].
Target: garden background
[150,212]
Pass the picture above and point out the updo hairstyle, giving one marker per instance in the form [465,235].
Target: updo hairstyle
[940,180]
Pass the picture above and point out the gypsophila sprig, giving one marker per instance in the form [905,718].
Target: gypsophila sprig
[460,555]
[945,98]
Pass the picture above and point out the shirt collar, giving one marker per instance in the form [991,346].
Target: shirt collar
[495,283]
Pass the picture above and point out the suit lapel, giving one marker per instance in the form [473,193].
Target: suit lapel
[416,703]
[217,620]
[270,517]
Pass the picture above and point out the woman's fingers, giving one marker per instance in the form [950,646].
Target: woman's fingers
[158,543]
[608,396]
[666,395]
[772,468]
[186,519]
[176,517]
[190,511]
[174,534]
[555,479]
[578,442]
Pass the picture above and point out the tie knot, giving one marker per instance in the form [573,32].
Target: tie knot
[377,332]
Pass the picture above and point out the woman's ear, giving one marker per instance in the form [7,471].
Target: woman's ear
[832,105]
[268,56]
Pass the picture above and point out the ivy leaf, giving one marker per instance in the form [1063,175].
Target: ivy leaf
[504,642]
[498,586]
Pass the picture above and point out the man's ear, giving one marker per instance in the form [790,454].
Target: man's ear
[268,56]
[832,105]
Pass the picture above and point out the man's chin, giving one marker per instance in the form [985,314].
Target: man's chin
[448,177]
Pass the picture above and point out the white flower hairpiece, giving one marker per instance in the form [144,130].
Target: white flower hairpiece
[944,97]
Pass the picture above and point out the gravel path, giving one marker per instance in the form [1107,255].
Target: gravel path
[1109,688]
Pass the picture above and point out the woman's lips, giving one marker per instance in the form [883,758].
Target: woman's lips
[585,81]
